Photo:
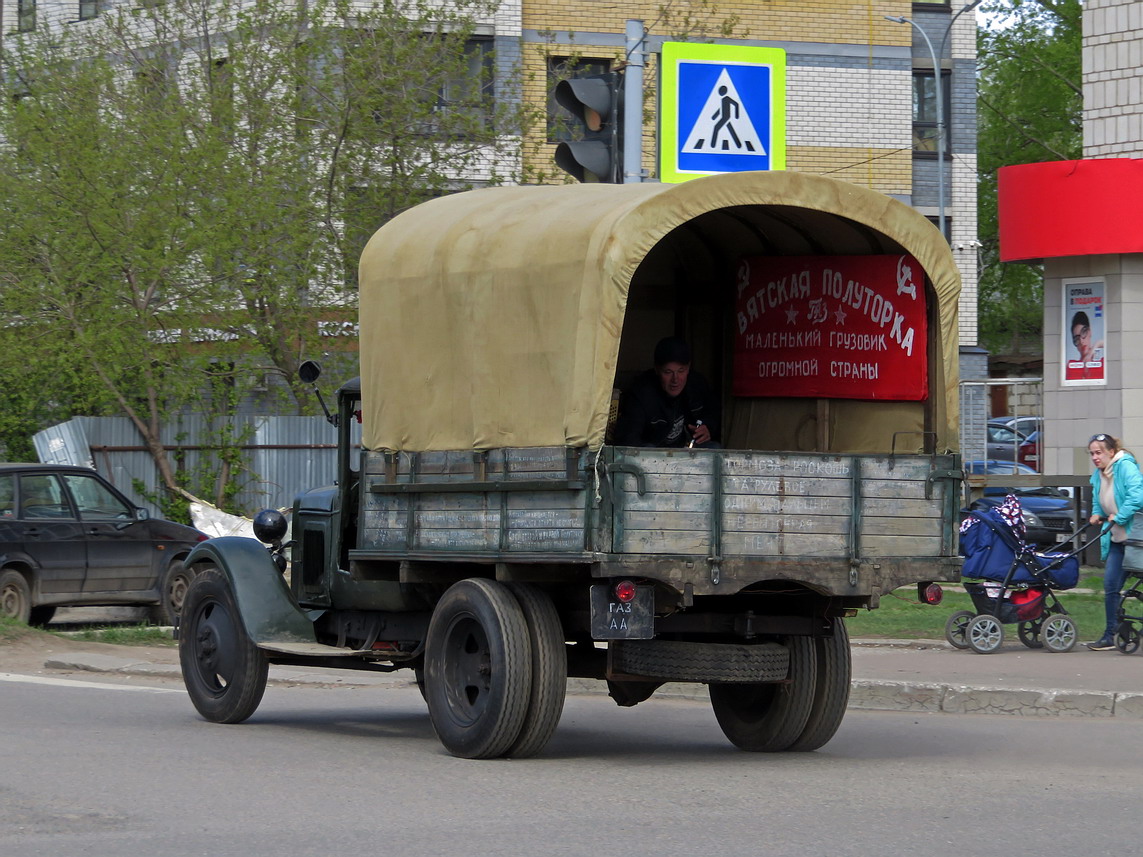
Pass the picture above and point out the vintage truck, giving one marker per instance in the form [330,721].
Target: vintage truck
[484,534]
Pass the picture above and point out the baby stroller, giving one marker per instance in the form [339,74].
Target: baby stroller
[1009,583]
[1129,631]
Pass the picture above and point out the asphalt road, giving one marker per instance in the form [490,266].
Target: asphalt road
[124,767]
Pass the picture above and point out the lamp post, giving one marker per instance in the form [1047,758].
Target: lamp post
[938,82]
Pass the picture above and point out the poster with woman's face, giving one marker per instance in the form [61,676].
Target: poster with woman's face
[1085,325]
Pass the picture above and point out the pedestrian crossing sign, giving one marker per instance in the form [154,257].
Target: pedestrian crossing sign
[722,110]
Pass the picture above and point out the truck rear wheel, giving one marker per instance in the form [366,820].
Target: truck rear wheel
[224,672]
[478,669]
[831,694]
[549,670]
[769,718]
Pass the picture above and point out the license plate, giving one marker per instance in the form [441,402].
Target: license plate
[612,619]
[1063,537]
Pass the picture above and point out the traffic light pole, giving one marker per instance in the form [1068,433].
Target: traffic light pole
[635,55]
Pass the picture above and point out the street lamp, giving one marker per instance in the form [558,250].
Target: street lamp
[938,80]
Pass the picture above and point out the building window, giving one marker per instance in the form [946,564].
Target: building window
[467,91]
[25,15]
[89,9]
[561,123]
[925,111]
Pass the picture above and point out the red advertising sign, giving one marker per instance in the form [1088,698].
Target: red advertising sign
[839,327]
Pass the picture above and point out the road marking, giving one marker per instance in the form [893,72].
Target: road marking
[67,682]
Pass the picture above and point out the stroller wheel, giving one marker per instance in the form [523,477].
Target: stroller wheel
[985,634]
[956,626]
[1029,633]
[1126,638]
[1059,633]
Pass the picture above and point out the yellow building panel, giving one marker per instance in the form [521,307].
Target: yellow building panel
[830,21]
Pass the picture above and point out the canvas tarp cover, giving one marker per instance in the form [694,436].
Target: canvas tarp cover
[492,318]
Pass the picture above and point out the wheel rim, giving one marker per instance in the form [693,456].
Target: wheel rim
[985,635]
[215,643]
[177,592]
[467,670]
[1058,633]
[12,601]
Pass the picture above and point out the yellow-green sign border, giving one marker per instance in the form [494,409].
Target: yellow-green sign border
[672,54]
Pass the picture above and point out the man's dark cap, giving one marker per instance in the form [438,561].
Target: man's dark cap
[672,350]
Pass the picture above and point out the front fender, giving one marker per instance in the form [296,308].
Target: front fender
[268,610]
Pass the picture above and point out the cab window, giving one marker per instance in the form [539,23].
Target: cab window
[42,496]
[94,500]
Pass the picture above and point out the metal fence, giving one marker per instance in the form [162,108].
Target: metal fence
[277,456]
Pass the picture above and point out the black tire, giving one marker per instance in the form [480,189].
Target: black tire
[224,672]
[769,718]
[15,596]
[478,669]
[680,660]
[41,616]
[1029,633]
[955,628]
[1126,638]
[831,694]
[172,594]
[549,670]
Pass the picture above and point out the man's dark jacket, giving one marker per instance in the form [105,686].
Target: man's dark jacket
[649,417]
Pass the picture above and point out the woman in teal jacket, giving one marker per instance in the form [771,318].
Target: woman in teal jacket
[1117,494]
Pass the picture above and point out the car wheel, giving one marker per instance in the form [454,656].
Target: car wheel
[172,594]
[224,672]
[15,596]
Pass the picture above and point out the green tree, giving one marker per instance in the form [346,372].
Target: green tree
[1030,102]
[187,187]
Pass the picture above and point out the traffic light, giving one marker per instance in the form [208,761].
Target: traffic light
[596,102]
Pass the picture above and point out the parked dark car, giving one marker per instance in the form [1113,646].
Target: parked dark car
[1003,441]
[68,538]
[1049,513]
[1030,452]
[1026,425]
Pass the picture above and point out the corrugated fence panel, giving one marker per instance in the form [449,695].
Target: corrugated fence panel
[281,456]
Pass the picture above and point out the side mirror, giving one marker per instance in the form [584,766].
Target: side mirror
[142,514]
[309,371]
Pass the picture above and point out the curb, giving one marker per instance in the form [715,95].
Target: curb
[864,695]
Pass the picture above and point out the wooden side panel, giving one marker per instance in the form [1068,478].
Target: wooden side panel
[704,502]
[479,521]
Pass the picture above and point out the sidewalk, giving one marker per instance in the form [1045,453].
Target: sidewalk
[888,675]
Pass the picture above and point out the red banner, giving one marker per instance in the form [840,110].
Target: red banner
[838,327]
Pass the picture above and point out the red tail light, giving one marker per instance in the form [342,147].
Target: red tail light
[625,591]
[930,593]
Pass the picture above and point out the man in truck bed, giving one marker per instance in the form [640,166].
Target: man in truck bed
[669,405]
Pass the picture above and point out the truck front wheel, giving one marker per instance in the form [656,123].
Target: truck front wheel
[478,669]
[769,718]
[224,672]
